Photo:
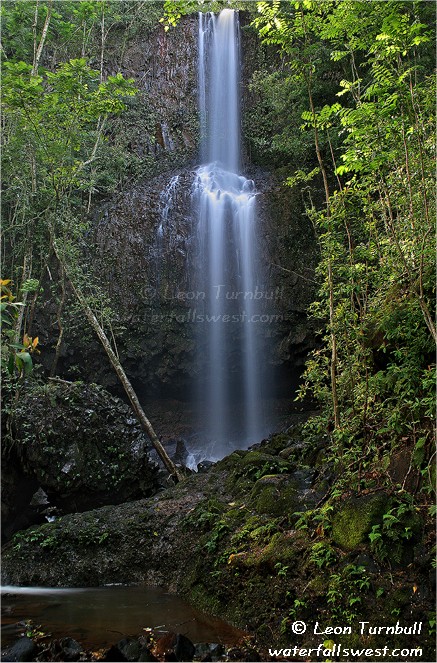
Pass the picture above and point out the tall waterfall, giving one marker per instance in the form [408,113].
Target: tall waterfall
[228,271]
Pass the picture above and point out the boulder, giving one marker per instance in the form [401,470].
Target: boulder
[355,517]
[79,448]
[174,647]
[23,650]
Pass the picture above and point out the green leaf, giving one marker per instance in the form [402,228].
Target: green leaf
[24,361]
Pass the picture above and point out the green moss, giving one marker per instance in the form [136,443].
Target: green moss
[230,461]
[203,599]
[354,519]
[250,467]
[275,495]
[318,585]
[284,549]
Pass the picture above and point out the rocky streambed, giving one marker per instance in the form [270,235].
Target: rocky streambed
[256,539]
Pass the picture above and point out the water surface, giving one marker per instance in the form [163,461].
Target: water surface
[101,616]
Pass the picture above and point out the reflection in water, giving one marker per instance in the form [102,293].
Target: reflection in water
[101,616]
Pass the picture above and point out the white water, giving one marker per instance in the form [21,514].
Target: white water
[225,202]
[36,591]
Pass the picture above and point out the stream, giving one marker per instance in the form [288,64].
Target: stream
[100,616]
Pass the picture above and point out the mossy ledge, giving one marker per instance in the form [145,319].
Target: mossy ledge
[212,539]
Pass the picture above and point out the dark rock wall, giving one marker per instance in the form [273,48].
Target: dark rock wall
[150,279]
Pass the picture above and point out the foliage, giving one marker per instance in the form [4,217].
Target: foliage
[322,555]
[175,9]
[55,124]
[17,356]
[346,592]
[374,373]
[398,526]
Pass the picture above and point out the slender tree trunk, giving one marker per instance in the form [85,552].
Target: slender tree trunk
[136,406]
[45,29]
[60,326]
[334,359]
[27,270]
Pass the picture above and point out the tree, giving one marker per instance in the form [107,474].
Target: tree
[57,120]
[376,272]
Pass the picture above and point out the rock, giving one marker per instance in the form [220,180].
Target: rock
[286,453]
[132,649]
[248,466]
[367,562]
[174,647]
[280,494]
[209,652]
[83,446]
[355,517]
[39,498]
[65,649]
[23,650]
[114,654]
[204,466]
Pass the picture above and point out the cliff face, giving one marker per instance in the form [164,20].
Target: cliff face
[142,244]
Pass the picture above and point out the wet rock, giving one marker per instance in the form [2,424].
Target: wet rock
[209,652]
[132,649]
[177,452]
[64,649]
[82,445]
[174,647]
[39,498]
[23,650]
[204,466]
[114,654]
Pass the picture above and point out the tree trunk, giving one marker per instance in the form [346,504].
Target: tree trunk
[335,405]
[45,29]
[60,325]
[136,406]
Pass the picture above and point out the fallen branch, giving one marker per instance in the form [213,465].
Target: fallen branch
[136,406]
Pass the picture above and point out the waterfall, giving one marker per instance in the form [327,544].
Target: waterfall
[228,266]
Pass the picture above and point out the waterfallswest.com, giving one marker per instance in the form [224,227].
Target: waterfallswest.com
[337,651]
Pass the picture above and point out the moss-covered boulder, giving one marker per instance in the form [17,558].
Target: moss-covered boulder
[81,445]
[246,467]
[284,549]
[279,494]
[354,519]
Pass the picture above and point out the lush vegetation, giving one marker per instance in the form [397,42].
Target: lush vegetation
[352,103]
[57,109]
[343,113]
[374,373]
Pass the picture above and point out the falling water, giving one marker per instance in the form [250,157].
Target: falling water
[228,262]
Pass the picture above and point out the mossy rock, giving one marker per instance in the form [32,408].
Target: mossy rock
[230,461]
[285,548]
[251,467]
[354,519]
[276,495]
[81,445]
[318,585]
[278,442]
